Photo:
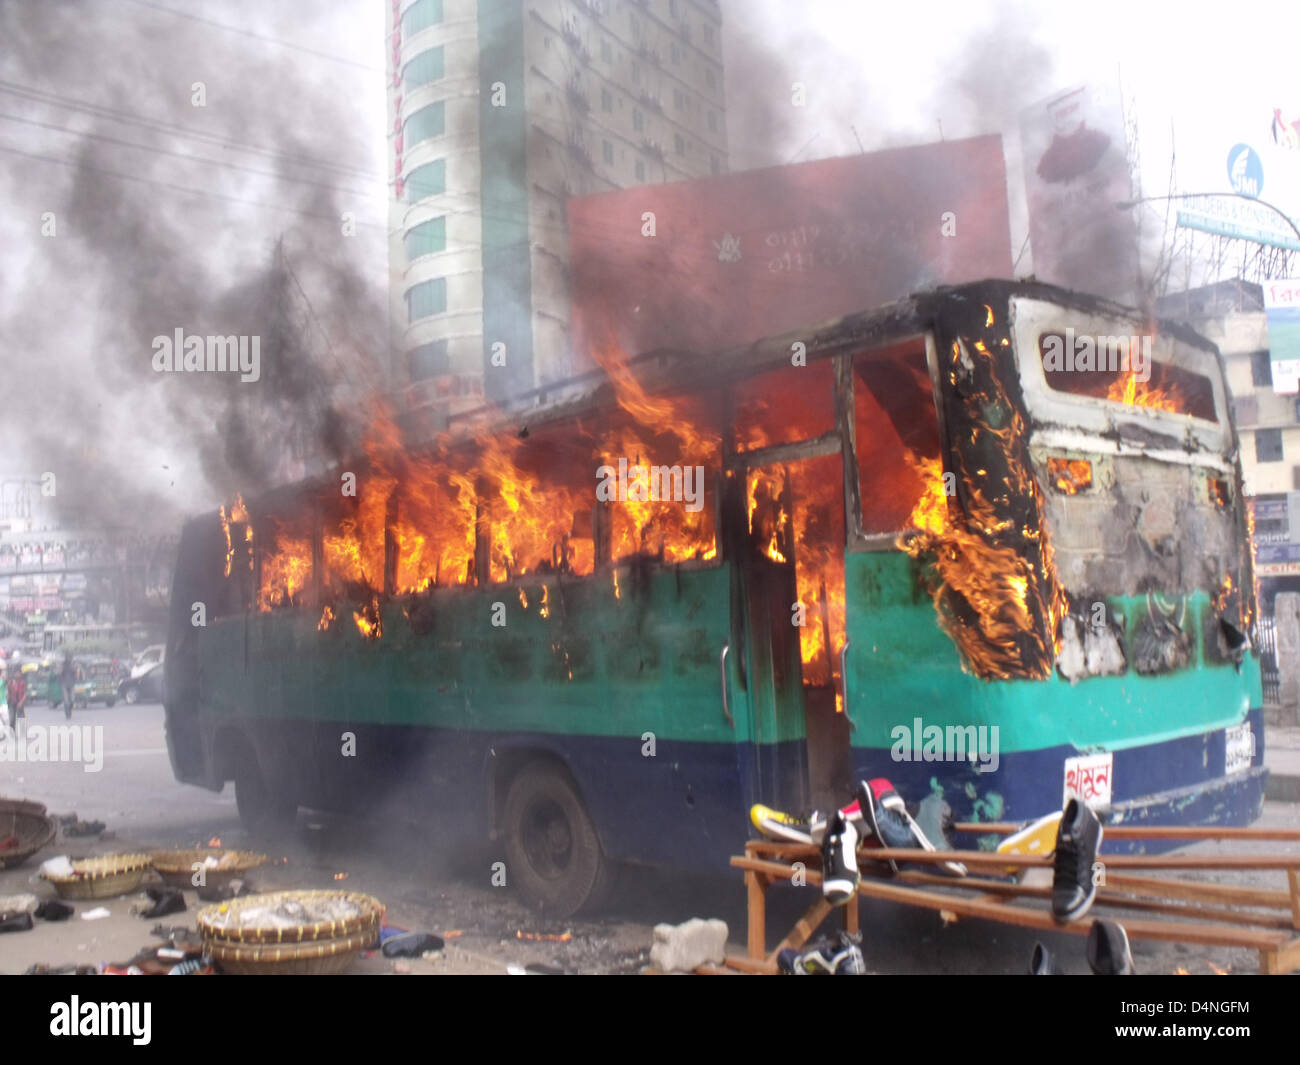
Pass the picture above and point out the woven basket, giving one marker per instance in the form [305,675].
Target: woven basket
[177,867]
[29,823]
[320,958]
[219,923]
[102,878]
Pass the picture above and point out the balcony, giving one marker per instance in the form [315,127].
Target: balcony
[578,151]
[577,97]
[650,55]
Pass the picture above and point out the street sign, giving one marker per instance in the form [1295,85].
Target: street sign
[1227,215]
[1282,313]
[1245,171]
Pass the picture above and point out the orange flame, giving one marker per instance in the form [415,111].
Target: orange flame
[1136,393]
[992,599]
[542,937]
[369,623]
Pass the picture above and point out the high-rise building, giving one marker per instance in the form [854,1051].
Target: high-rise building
[499,111]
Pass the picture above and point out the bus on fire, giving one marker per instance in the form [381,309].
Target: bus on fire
[915,521]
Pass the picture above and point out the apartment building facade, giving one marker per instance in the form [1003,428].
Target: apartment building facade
[499,111]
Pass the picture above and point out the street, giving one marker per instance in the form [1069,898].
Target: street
[484,927]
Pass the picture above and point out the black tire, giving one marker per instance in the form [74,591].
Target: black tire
[263,810]
[553,854]
[131,695]
[112,703]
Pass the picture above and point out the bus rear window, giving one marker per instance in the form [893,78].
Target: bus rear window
[1116,369]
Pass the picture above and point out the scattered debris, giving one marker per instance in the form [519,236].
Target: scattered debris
[60,866]
[223,892]
[165,901]
[54,910]
[16,922]
[685,947]
[411,945]
[12,904]
[97,914]
[72,826]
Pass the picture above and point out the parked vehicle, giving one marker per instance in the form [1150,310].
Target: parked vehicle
[147,659]
[145,687]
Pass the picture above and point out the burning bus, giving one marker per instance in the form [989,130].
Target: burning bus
[911,518]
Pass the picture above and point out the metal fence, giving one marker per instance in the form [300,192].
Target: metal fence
[1266,629]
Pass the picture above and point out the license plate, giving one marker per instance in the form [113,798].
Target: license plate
[1238,749]
[1088,778]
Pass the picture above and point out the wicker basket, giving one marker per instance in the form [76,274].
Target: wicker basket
[319,958]
[177,867]
[220,923]
[102,878]
[29,824]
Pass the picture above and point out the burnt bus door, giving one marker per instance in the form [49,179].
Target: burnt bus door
[765,659]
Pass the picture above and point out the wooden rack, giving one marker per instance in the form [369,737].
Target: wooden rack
[1181,910]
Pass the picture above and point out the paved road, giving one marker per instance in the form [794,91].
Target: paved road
[135,795]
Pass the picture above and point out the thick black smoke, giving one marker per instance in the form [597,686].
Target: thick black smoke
[134,257]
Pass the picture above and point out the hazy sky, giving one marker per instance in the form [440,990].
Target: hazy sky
[1201,75]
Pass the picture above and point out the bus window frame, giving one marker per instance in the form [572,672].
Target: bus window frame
[1051,410]
[859,542]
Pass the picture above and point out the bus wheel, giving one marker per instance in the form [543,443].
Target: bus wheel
[261,810]
[552,851]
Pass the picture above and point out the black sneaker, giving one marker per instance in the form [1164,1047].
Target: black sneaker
[166,900]
[840,876]
[838,955]
[1077,841]
[1108,953]
[1042,962]
[54,910]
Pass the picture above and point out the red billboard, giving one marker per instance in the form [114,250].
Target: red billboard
[707,264]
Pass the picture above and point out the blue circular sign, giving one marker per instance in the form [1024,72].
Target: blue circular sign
[1245,170]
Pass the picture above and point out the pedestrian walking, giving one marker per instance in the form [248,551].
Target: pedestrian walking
[68,680]
[17,695]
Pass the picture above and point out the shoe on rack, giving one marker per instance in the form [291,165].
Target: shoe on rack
[1108,953]
[887,816]
[775,824]
[1077,842]
[840,876]
[838,955]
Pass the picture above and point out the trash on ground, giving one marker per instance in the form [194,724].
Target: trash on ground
[60,866]
[164,901]
[97,914]
[54,910]
[72,826]
[411,945]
